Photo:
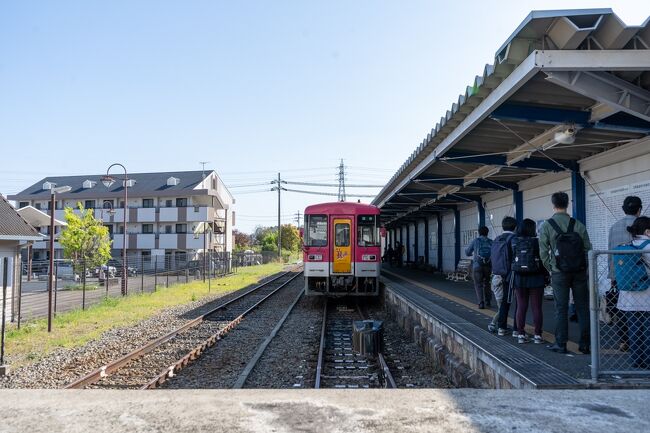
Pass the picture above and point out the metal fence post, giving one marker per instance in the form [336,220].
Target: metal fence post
[167,272]
[141,273]
[20,294]
[106,277]
[56,284]
[593,307]
[5,263]
[155,273]
[83,288]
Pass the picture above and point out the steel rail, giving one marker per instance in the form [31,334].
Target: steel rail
[321,349]
[171,371]
[241,380]
[103,371]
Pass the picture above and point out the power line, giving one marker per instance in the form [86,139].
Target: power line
[341,195]
[325,193]
[332,184]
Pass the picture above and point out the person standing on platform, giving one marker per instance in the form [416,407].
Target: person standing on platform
[482,270]
[564,243]
[501,259]
[619,235]
[529,278]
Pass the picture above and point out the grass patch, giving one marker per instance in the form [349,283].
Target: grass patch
[80,287]
[75,328]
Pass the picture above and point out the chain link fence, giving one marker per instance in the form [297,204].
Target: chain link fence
[77,285]
[619,282]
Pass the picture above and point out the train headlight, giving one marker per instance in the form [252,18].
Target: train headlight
[315,257]
[369,257]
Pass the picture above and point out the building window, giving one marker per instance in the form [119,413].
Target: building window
[89,204]
[37,206]
[168,203]
[110,229]
[121,230]
[147,202]
[122,204]
[23,204]
[181,202]
[107,204]
[168,229]
[181,228]
[147,228]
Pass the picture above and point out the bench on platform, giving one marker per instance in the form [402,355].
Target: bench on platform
[462,271]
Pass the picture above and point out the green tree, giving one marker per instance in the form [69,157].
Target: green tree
[85,238]
[242,240]
[290,238]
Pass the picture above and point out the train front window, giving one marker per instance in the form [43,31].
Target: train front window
[367,231]
[342,234]
[316,233]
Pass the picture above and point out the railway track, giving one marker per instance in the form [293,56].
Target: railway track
[338,366]
[152,364]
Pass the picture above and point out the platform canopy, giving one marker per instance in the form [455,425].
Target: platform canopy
[37,218]
[564,86]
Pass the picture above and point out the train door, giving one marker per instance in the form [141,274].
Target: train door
[342,246]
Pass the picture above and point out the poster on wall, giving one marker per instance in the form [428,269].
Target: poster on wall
[604,211]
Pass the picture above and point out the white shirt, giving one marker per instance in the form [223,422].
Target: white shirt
[636,301]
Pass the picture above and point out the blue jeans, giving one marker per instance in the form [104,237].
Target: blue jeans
[638,328]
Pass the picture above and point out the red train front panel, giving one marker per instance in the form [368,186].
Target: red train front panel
[341,249]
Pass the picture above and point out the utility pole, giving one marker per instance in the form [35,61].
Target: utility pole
[279,223]
[341,181]
[298,219]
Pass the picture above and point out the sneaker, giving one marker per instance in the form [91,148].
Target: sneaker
[557,348]
[522,338]
[481,306]
[515,334]
[538,339]
[502,332]
[492,328]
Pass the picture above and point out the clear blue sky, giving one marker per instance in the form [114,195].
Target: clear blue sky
[252,87]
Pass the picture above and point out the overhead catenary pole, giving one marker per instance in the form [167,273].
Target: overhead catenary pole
[279,224]
[51,267]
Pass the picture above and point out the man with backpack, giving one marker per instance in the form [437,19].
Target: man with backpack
[564,243]
[480,249]
[619,235]
[501,260]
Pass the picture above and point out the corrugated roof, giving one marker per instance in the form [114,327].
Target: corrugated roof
[12,225]
[145,183]
[580,29]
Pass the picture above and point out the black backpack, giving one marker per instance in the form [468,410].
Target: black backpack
[500,254]
[569,248]
[525,255]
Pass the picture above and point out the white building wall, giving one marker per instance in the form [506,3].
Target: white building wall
[448,255]
[468,225]
[613,176]
[537,193]
[421,240]
[411,247]
[433,241]
[8,250]
[497,206]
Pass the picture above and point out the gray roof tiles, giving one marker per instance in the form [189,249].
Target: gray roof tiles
[12,225]
[154,184]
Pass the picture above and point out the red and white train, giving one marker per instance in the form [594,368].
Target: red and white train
[341,247]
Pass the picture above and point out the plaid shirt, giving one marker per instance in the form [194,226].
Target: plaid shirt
[618,235]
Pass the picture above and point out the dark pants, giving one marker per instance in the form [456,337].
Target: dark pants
[482,287]
[577,282]
[535,296]
[619,318]
[639,338]
[504,307]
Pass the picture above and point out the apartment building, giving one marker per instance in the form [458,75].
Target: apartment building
[177,215]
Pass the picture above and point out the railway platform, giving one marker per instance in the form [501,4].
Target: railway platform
[458,410]
[453,306]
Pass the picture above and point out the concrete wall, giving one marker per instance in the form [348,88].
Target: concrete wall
[448,242]
[433,241]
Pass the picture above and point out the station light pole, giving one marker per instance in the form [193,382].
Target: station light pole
[108,180]
[51,276]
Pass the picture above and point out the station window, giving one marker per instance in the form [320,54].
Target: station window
[316,230]
[367,235]
[342,234]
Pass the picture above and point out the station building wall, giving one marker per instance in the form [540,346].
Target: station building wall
[468,225]
[448,242]
[421,239]
[433,241]
[497,205]
[411,246]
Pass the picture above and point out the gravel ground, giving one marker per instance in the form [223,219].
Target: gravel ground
[287,361]
[221,365]
[62,366]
